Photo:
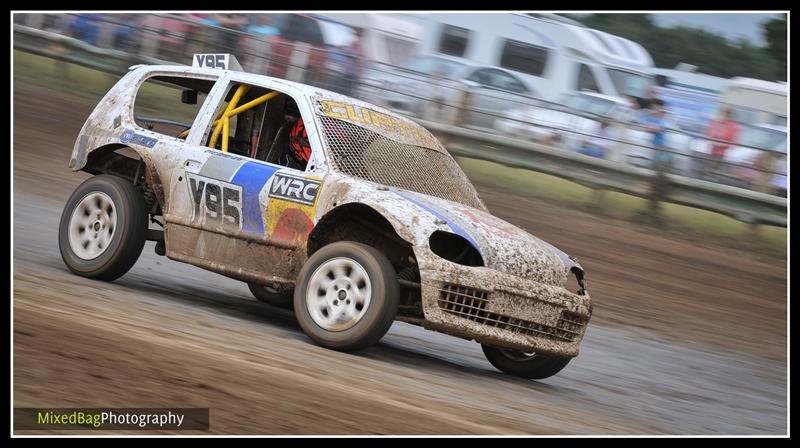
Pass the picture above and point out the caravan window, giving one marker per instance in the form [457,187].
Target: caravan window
[522,57]
[629,83]
[454,40]
[586,79]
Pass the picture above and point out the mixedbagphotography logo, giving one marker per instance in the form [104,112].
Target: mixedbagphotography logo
[111,418]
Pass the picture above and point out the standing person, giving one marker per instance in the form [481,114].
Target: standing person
[338,59]
[653,101]
[726,129]
[354,63]
[262,26]
[634,103]
[598,145]
[170,31]
[86,27]
[233,23]
[257,44]
[656,124]
[126,32]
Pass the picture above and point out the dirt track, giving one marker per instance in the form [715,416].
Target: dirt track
[685,339]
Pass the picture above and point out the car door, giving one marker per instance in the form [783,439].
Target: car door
[236,214]
[496,92]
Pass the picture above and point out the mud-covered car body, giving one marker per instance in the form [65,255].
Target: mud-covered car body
[373,177]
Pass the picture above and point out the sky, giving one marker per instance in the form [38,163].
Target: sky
[731,25]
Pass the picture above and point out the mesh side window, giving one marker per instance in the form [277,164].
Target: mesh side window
[361,153]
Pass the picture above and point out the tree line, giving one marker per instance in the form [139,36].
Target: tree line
[713,54]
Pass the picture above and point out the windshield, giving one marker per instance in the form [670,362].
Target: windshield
[763,138]
[629,83]
[431,65]
[586,104]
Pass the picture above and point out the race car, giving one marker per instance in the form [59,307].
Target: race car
[350,215]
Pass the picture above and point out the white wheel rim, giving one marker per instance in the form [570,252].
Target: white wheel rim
[338,294]
[92,225]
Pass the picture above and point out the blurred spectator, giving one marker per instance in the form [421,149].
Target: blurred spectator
[763,175]
[256,45]
[653,102]
[656,123]
[354,63]
[208,19]
[337,65]
[125,32]
[779,186]
[234,24]
[172,33]
[598,145]
[633,102]
[86,27]
[57,23]
[262,26]
[725,129]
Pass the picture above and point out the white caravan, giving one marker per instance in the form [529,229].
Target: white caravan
[553,54]
[755,101]
[387,38]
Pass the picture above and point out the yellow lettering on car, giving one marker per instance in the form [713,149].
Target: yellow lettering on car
[378,121]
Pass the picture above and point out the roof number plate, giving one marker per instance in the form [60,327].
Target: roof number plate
[223,61]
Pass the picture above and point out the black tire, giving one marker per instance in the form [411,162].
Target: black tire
[272,296]
[532,367]
[129,233]
[376,317]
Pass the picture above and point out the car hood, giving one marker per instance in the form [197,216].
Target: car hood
[503,246]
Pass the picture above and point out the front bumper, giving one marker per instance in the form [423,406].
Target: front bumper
[503,310]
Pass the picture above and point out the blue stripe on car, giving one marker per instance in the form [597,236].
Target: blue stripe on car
[252,177]
[458,230]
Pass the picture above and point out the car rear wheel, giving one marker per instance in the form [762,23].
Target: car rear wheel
[346,296]
[103,228]
[526,365]
[273,295]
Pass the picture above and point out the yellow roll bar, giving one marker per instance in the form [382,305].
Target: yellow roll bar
[240,91]
[221,124]
[254,103]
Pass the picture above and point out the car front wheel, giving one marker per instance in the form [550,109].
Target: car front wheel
[103,228]
[346,296]
[526,365]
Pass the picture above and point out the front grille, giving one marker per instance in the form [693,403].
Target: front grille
[470,303]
